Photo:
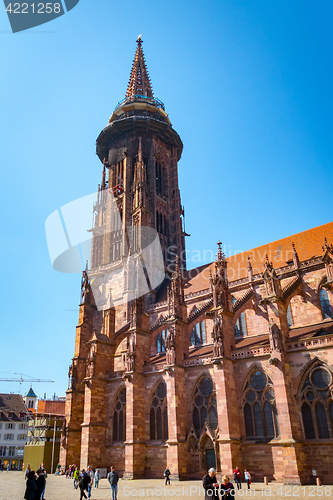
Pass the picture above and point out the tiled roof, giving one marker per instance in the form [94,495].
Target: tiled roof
[12,403]
[308,244]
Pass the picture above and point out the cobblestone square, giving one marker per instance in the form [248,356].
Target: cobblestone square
[12,487]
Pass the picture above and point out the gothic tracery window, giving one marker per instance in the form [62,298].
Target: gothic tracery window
[317,404]
[259,407]
[204,405]
[119,418]
[198,334]
[159,414]
[325,304]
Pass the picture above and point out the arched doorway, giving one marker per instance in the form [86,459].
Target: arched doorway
[208,453]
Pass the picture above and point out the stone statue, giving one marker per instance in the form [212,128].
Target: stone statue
[275,339]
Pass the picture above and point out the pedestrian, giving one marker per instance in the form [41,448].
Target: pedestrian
[27,470]
[83,483]
[237,478]
[76,478]
[227,489]
[210,485]
[97,478]
[113,479]
[247,477]
[91,475]
[41,483]
[8,468]
[167,475]
[31,490]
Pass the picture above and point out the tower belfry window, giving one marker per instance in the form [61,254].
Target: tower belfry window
[159,180]
[118,188]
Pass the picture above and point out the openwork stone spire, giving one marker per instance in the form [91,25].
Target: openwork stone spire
[139,83]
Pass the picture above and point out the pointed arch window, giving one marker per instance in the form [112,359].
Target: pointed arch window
[198,334]
[160,340]
[240,326]
[119,418]
[289,317]
[317,404]
[204,407]
[326,308]
[259,407]
[159,414]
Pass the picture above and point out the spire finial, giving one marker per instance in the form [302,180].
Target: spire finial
[219,252]
[139,83]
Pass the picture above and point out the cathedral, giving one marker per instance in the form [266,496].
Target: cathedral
[227,364]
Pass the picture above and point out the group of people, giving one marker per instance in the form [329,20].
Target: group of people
[35,483]
[227,490]
[85,479]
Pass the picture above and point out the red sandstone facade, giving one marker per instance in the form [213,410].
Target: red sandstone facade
[228,364]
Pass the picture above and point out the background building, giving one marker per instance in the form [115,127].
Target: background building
[227,364]
[13,430]
[44,433]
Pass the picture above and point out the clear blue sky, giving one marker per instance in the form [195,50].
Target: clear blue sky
[247,85]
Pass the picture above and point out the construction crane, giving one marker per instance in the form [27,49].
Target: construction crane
[21,379]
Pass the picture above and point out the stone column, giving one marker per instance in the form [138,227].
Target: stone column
[177,421]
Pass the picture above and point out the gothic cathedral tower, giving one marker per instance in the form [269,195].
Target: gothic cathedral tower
[138,225]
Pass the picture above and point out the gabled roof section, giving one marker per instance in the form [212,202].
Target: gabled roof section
[139,82]
[12,407]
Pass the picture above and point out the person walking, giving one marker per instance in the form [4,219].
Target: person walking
[210,485]
[83,483]
[167,475]
[113,479]
[27,470]
[31,490]
[91,475]
[76,478]
[247,477]
[41,483]
[237,478]
[97,478]
[227,489]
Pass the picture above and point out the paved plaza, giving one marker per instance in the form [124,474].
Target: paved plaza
[12,487]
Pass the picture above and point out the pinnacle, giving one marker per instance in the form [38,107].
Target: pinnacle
[139,83]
